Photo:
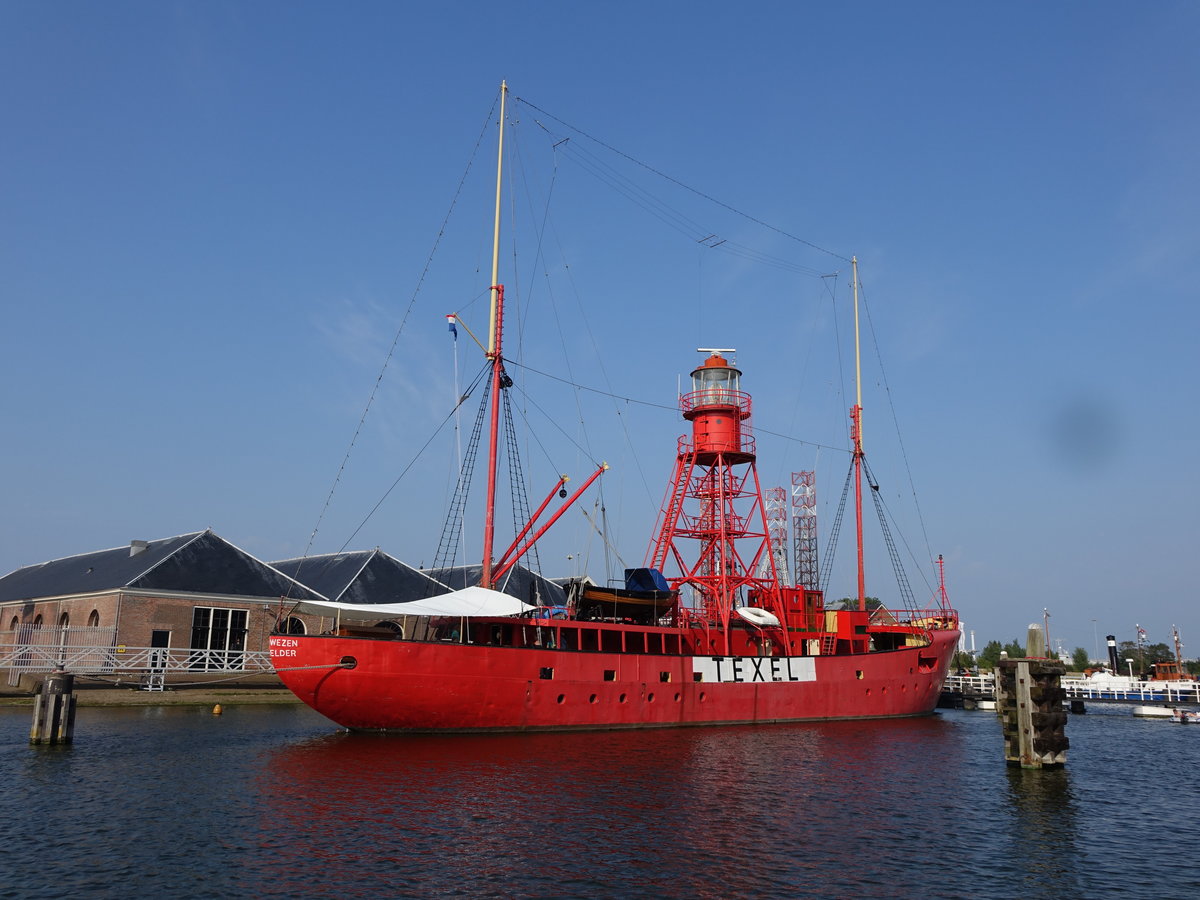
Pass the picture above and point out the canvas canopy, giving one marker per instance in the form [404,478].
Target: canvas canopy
[471,601]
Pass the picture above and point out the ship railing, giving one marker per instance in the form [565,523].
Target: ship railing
[115,659]
[716,396]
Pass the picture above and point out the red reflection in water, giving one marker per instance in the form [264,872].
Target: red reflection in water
[569,813]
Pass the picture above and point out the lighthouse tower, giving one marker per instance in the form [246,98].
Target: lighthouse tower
[713,534]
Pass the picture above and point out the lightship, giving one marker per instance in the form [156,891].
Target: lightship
[721,641]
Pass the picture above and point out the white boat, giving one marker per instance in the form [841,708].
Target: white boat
[1185,716]
[1153,712]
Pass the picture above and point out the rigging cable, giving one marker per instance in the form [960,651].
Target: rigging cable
[679,183]
[895,421]
[411,463]
[396,340]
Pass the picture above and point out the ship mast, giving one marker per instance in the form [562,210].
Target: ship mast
[856,437]
[495,323]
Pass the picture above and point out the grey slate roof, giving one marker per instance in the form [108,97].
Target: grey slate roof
[197,563]
[361,576]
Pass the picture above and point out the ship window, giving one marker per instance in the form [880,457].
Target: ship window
[546,673]
[592,698]
[858,673]
[650,698]
[664,676]
[635,642]
[697,676]
[562,697]
[621,699]
[610,674]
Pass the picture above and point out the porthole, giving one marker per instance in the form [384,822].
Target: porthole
[562,697]
[649,698]
[858,673]
[592,699]
[677,698]
[621,699]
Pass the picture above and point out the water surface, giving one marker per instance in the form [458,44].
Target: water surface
[274,801]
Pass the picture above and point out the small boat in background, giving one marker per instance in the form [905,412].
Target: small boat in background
[1185,716]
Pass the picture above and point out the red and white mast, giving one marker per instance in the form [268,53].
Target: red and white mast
[493,569]
[856,437]
[495,324]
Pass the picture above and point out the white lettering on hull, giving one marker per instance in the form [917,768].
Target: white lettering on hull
[755,668]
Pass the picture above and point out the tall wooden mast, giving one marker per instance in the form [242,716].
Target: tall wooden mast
[496,321]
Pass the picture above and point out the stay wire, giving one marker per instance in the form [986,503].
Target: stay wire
[896,424]
[672,408]
[450,415]
[396,339]
[679,183]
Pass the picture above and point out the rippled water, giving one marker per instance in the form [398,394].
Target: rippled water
[274,802]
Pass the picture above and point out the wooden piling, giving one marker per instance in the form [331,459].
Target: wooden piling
[1029,701]
[54,710]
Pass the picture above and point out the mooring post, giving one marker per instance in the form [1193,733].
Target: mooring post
[54,710]
[1029,701]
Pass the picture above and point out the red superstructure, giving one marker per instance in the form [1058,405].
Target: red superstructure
[706,633]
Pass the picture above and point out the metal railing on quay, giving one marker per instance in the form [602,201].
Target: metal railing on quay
[119,659]
[1080,688]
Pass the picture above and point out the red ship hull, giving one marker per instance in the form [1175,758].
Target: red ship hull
[437,686]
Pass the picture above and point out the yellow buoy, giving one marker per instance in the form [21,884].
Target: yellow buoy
[217,710]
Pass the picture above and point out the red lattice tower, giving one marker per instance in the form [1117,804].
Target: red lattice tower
[714,501]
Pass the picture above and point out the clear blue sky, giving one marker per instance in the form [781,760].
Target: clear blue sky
[216,216]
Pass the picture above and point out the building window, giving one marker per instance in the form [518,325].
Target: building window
[293,625]
[37,621]
[218,638]
[14,624]
[94,619]
[64,621]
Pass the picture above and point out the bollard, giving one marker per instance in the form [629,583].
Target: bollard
[1029,701]
[54,710]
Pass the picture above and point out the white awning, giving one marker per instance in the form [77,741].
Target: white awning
[471,601]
